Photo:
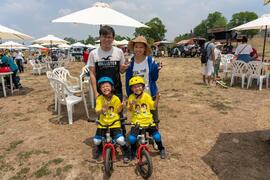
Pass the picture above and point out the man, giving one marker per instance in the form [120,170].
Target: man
[208,68]
[107,60]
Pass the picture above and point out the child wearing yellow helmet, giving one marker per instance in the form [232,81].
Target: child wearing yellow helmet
[140,104]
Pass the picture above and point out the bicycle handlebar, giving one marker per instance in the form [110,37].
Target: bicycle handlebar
[109,125]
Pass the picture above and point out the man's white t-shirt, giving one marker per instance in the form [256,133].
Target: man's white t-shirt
[107,63]
[142,69]
[243,49]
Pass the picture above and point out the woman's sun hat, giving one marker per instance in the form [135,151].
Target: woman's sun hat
[139,39]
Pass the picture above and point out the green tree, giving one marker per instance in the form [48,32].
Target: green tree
[156,32]
[213,20]
[242,18]
[120,38]
[89,40]
[70,40]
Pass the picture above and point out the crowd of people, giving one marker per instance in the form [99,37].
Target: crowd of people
[243,52]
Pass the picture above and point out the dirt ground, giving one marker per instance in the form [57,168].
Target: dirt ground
[208,132]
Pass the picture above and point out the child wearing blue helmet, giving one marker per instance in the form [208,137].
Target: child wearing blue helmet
[108,107]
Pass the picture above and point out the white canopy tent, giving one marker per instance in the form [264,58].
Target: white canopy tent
[7,33]
[12,45]
[64,46]
[38,46]
[120,43]
[261,23]
[99,14]
[78,44]
[90,46]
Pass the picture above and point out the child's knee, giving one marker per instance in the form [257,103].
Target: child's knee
[157,136]
[132,139]
[97,140]
[121,140]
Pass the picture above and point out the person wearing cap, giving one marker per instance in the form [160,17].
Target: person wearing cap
[208,68]
[108,107]
[140,104]
[142,64]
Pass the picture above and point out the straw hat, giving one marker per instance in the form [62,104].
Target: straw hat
[139,39]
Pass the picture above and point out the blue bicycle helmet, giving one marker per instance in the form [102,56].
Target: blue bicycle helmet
[105,79]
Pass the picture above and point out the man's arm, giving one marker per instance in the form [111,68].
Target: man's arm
[93,80]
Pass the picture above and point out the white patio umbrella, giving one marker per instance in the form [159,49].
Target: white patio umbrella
[261,23]
[12,45]
[7,33]
[38,46]
[50,39]
[99,14]
[78,44]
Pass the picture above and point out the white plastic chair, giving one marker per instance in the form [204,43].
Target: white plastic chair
[256,71]
[85,79]
[238,70]
[225,63]
[67,97]
[51,76]
[63,74]
[38,68]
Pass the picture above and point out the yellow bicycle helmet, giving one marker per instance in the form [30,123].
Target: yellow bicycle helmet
[136,80]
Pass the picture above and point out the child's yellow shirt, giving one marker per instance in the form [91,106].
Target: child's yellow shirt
[141,109]
[112,113]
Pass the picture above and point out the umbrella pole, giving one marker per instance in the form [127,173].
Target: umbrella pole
[51,50]
[265,34]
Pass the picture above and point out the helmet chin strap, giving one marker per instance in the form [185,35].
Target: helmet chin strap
[138,95]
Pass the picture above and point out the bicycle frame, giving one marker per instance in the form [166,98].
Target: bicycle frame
[107,142]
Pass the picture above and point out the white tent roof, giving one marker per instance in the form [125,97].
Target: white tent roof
[65,46]
[99,14]
[7,33]
[118,43]
[36,46]
[259,23]
[50,39]
[12,45]
[90,46]
[78,44]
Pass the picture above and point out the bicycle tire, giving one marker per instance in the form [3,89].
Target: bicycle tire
[108,162]
[145,161]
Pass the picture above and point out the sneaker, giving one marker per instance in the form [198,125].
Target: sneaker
[125,160]
[162,154]
[132,155]
[96,154]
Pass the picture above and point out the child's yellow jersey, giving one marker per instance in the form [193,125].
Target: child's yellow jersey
[141,110]
[112,113]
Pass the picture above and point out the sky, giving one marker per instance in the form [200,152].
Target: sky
[33,17]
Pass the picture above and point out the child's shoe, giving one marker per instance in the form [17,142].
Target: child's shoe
[162,154]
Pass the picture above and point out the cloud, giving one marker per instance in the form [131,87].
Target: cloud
[63,12]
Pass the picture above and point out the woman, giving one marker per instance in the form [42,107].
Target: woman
[142,64]
[243,51]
